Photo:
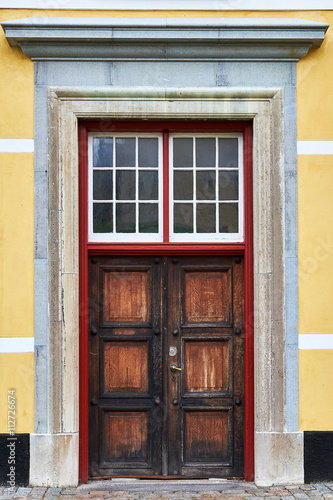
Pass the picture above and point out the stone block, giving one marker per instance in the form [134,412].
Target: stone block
[278,458]
[54,460]
[73,73]
[165,74]
[264,74]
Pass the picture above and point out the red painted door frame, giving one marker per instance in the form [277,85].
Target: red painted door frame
[166,248]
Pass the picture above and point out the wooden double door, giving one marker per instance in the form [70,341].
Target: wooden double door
[166,363]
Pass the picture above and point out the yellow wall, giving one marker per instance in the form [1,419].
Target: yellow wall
[314,121]
[315,215]
[17,372]
[16,244]
[316,395]
[16,283]
[16,89]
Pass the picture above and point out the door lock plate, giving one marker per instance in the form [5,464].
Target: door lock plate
[172,351]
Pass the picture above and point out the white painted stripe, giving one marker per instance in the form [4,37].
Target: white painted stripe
[169,4]
[315,341]
[16,145]
[16,344]
[315,147]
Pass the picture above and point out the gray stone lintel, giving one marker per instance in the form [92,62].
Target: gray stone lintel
[224,39]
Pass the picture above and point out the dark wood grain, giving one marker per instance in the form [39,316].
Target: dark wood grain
[208,296]
[206,426]
[125,436]
[126,296]
[206,437]
[207,365]
[125,366]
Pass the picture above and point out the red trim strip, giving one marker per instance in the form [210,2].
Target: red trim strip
[248,311]
[83,304]
[161,126]
[165,248]
[165,186]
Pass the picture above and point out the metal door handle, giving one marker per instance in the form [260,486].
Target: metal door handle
[175,368]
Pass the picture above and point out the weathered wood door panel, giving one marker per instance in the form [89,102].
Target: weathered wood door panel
[205,309]
[166,366]
[125,379]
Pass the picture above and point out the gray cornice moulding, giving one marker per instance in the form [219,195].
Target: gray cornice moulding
[164,39]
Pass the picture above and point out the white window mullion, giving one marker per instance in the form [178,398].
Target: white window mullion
[114,177]
[137,185]
[241,185]
[217,212]
[171,192]
[160,200]
[194,187]
[215,236]
[90,185]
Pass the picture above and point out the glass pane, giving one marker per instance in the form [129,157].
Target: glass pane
[148,185]
[206,185]
[148,218]
[183,152]
[125,185]
[148,152]
[125,152]
[103,151]
[228,153]
[125,217]
[206,215]
[228,217]
[102,218]
[228,185]
[183,185]
[205,152]
[183,218]
[102,185]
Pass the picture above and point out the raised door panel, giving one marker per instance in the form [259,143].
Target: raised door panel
[126,296]
[208,367]
[207,297]
[208,437]
[125,439]
[125,366]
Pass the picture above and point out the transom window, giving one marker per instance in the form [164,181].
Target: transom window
[207,182]
[204,173]
[125,188]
